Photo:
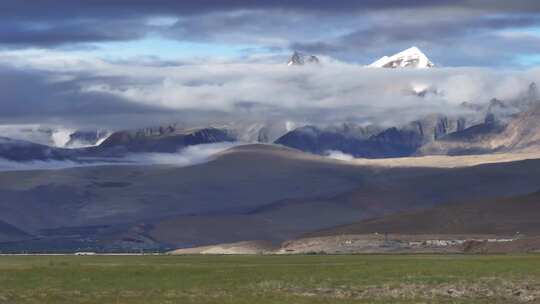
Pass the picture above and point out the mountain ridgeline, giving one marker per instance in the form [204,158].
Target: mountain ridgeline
[372,142]
[168,139]
[434,134]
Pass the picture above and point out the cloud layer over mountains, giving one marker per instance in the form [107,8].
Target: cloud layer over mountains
[47,88]
[114,64]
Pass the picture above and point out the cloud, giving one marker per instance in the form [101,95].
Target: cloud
[75,93]
[189,156]
[358,31]
[48,76]
[46,9]
[8,165]
[46,97]
[339,155]
[20,34]
[476,39]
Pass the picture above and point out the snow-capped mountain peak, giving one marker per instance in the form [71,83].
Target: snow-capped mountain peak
[298,58]
[410,58]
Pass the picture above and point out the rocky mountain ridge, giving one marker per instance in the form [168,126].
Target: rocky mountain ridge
[298,58]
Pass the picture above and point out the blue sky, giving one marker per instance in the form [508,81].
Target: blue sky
[165,49]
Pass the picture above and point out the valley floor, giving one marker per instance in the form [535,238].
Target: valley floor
[271,279]
[446,161]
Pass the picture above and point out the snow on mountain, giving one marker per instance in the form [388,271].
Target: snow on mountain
[298,58]
[409,58]
[82,139]
[53,136]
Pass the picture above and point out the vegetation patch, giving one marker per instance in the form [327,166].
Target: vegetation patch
[271,279]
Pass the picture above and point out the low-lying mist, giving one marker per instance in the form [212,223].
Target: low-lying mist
[188,156]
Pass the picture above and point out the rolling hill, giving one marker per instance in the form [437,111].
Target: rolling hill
[504,216]
[251,192]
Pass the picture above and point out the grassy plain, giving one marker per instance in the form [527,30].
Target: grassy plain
[270,279]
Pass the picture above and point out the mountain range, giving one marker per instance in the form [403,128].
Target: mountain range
[509,125]
[441,176]
[371,141]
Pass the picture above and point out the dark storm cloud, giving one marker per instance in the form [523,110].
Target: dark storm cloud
[53,34]
[46,9]
[60,22]
[119,8]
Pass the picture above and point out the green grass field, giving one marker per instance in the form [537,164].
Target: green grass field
[270,279]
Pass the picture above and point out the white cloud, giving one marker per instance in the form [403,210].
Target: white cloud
[191,155]
[334,154]
[334,91]
[61,137]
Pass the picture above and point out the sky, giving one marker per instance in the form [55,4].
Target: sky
[455,33]
[120,64]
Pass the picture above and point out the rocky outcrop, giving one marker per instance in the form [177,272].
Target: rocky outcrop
[521,134]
